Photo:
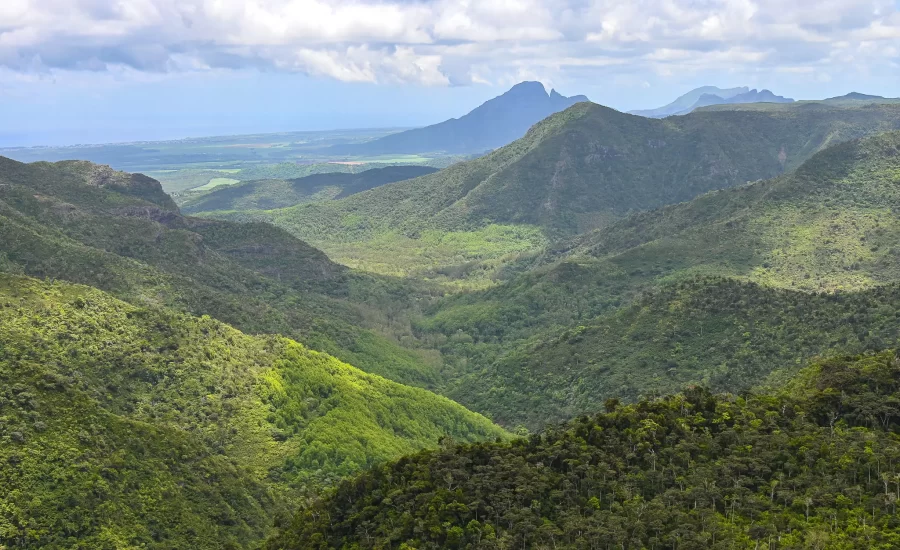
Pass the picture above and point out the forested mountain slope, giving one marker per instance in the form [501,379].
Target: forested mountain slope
[830,225]
[580,169]
[138,427]
[812,465]
[56,223]
[280,193]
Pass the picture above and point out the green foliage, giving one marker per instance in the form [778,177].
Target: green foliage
[189,434]
[126,427]
[452,259]
[811,466]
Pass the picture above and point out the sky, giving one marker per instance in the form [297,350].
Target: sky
[97,71]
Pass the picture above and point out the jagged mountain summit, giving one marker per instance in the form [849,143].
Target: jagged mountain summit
[687,100]
[710,95]
[753,96]
[494,124]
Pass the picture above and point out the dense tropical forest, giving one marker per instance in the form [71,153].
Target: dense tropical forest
[614,332]
[813,465]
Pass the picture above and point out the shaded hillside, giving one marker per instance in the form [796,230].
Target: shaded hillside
[583,168]
[721,333]
[828,225]
[494,124]
[269,194]
[813,465]
[127,427]
[257,277]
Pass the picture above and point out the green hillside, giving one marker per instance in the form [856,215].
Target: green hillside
[813,465]
[828,226]
[56,224]
[84,182]
[281,193]
[580,169]
[602,259]
[133,427]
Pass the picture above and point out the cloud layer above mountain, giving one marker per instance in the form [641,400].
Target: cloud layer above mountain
[446,42]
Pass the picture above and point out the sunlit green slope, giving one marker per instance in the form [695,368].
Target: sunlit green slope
[128,427]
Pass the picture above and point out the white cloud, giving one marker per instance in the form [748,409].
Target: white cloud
[442,42]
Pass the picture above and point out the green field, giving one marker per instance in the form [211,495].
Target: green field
[216,182]
[394,159]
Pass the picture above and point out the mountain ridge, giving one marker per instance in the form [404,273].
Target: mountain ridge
[543,340]
[577,170]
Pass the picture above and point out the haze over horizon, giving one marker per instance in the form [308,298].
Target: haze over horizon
[91,71]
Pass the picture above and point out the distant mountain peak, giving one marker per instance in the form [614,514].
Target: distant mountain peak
[493,124]
[751,96]
[710,95]
[687,100]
